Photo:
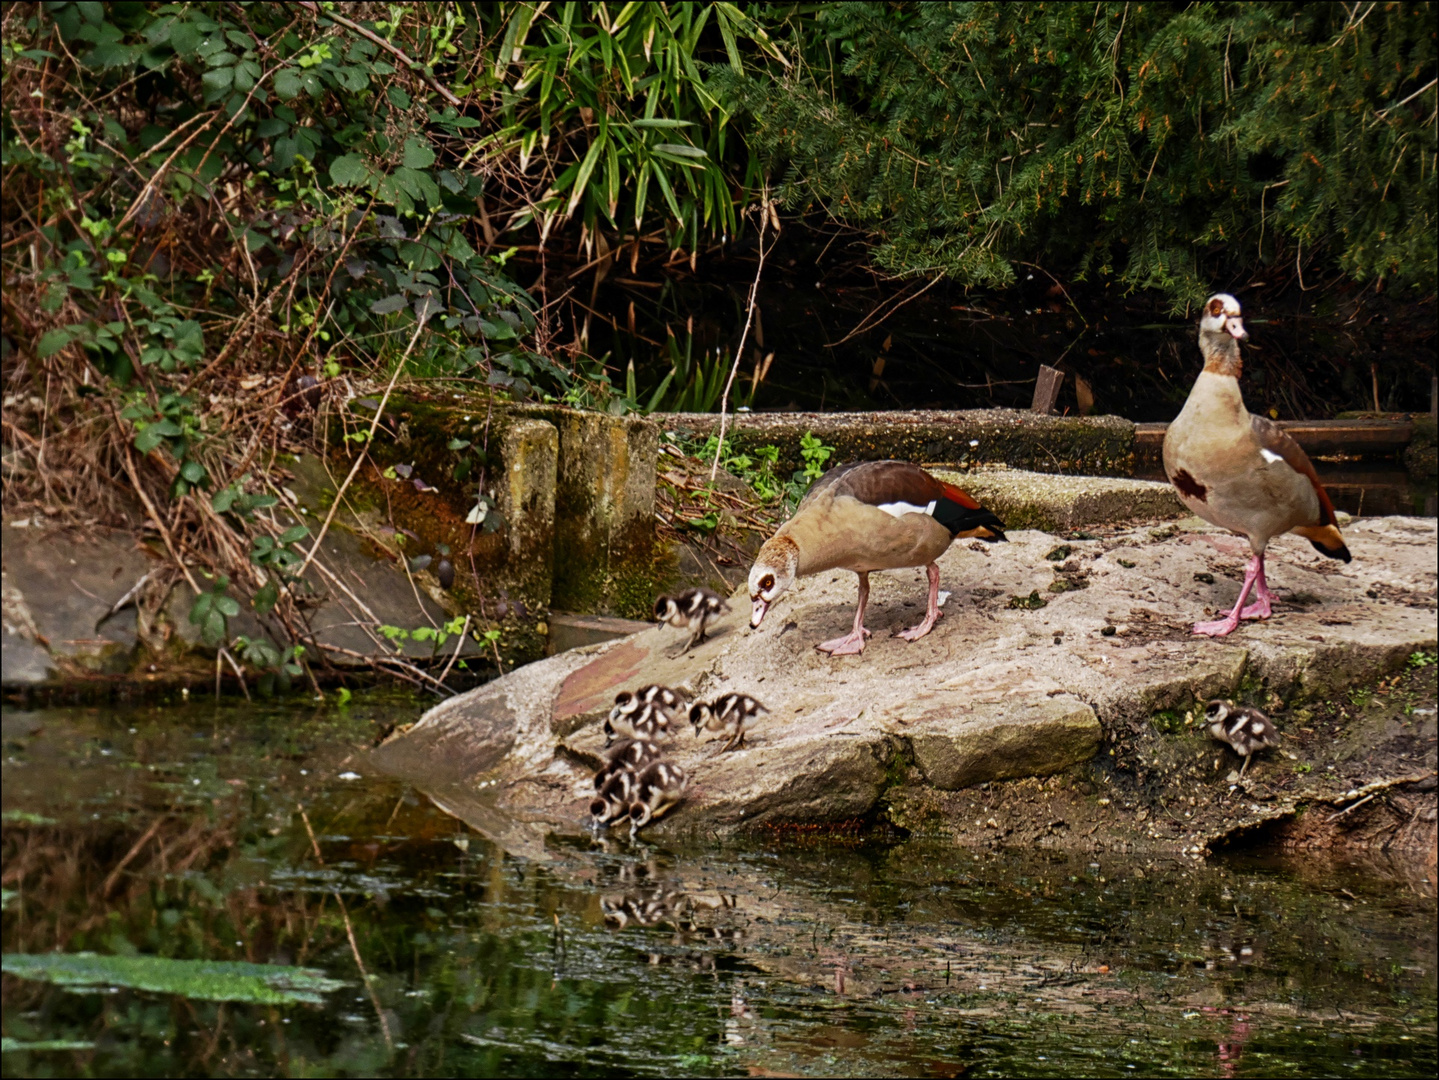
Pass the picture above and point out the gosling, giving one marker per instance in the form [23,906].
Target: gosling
[730,713]
[657,789]
[643,713]
[693,608]
[627,755]
[1243,727]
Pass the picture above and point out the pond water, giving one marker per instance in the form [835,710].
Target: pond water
[237,832]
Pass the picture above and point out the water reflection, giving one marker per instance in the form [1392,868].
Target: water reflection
[230,834]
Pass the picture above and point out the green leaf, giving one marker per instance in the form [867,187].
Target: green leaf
[200,980]
[193,471]
[296,532]
[227,606]
[288,84]
[212,630]
[390,304]
[200,609]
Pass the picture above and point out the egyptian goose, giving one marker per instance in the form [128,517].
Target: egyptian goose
[1243,727]
[730,713]
[872,515]
[693,608]
[657,788]
[1242,472]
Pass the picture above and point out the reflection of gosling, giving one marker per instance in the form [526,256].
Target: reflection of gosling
[693,608]
[654,705]
[627,755]
[1243,727]
[731,713]
[657,788]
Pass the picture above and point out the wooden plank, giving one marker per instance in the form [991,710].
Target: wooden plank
[1359,437]
[1046,389]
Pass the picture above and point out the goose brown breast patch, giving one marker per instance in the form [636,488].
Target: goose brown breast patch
[1187,485]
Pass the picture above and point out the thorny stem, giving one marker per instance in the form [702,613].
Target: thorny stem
[364,452]
[766,209]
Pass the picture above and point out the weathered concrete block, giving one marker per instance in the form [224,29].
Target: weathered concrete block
[604,513]
[965,438]
[1031,500]
[530,453]
[1034,737]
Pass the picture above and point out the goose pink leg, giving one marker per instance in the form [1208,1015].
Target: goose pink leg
[1230,623]
[933,615]
[853,642]
[1260,609]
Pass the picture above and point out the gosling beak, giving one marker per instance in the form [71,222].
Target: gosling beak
[1235,326]
[757,612]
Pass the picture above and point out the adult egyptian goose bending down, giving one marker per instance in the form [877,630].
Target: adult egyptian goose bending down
[872,515]
[1242,472]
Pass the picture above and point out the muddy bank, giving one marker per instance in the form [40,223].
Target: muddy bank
[1057,657]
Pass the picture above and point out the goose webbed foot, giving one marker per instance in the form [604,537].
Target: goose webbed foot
[850,645]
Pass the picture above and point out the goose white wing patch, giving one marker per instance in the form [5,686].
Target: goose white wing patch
[1270,456]
[899,509]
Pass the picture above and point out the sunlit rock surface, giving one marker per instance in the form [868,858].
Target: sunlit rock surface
[1047,647]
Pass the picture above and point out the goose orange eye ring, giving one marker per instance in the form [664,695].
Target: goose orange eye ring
[766,583]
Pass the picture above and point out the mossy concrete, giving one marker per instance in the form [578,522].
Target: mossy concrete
[966,439]
[604,511]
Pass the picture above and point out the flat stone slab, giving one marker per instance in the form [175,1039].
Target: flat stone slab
[1047,646]
[1059,503]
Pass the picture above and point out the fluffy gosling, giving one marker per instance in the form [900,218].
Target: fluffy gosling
[1243,727]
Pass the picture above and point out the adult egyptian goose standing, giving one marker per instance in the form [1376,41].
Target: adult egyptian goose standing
[866,516]
[1242,472]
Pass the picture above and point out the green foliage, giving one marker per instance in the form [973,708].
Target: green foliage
[814,453]
[1166,146]
[199,980]
[1420,659]
[212,610]
[613,104]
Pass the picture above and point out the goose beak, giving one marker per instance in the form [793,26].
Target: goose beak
[757,612]
[1235,326]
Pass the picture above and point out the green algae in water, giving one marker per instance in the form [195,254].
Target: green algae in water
[201,980]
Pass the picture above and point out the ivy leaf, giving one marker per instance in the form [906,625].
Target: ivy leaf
[349,170]
[193,471]
[296,532]
[52,341]
[147,440]
[266,598]
[418,154]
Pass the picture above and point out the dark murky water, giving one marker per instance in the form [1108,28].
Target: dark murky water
[185,831]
